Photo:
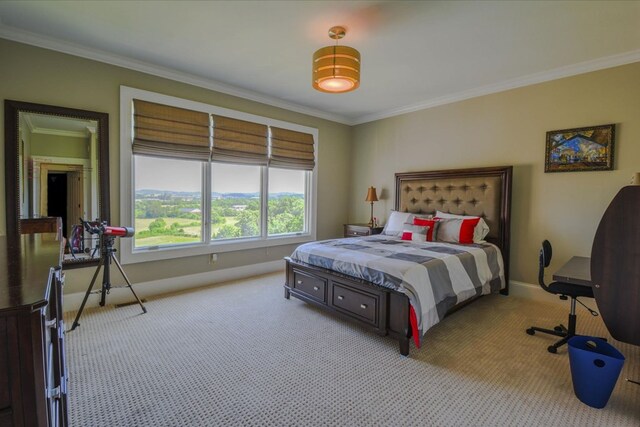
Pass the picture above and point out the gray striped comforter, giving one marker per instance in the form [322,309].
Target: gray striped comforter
[434,275]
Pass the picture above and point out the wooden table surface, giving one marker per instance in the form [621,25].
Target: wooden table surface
[577,271]
[24,270]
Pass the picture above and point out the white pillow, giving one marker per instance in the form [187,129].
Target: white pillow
[479,232]
[415,233]
[395,223]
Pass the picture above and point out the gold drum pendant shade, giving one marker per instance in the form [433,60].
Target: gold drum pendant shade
[336,68]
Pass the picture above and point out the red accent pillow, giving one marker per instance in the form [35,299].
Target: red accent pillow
[431,223]
[465,233]
[466,230]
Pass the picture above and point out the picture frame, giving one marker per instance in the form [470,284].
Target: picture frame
[588,148]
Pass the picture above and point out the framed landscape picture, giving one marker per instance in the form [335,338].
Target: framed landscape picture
[582,149]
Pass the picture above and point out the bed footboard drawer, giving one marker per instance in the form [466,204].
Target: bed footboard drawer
[312,286]
[361,305]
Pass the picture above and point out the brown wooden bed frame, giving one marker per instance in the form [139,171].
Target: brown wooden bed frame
[484,192]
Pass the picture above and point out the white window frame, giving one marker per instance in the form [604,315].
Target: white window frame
[129,255]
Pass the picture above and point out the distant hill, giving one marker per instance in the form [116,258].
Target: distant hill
[152,193]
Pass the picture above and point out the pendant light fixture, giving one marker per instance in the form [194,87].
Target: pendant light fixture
[336,69]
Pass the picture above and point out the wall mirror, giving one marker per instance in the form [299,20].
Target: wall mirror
[57,165]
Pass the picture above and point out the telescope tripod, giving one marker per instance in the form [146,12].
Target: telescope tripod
[108,255]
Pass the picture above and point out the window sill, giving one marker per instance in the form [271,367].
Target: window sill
[130,256]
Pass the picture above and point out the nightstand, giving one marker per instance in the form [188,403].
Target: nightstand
[355,230]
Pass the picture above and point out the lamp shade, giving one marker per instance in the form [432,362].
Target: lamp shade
[371,195]
[336,68]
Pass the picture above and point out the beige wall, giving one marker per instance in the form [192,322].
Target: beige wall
[499,129]
[59,146]
[509,128]
[43,76]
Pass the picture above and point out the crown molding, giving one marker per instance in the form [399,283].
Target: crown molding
[27,37]
[28,122]
[60,132]
[531,79]
[22,36]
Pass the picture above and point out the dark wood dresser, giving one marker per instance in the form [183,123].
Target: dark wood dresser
[32,362]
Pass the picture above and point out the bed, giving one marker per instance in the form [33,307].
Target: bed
[378,300]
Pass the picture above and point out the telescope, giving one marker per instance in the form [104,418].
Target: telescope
[108,234]
[107,230]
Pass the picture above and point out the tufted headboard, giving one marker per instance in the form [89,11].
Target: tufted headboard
[484,192]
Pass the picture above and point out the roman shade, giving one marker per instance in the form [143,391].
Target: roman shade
[239,141]
[165,131]
[291,149]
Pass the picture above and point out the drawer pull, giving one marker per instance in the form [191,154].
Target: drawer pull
[299,282]
[315,288]
[363,306]
[340,297]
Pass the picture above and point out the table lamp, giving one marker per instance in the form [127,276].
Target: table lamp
[371,197]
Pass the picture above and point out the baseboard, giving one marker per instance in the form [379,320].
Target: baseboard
[531,291]
[163,286]
[157,287]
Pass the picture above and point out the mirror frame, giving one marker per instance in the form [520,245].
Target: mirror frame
[12,109]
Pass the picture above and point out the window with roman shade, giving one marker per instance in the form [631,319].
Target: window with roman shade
[239,141]
[166,131]
[206,179]
[291,149]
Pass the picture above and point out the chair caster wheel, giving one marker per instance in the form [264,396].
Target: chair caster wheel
[552,349]
[558,328]
[531,331]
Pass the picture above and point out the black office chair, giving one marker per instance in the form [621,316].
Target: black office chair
[564,290]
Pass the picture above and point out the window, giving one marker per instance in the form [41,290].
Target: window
[286,212]
[168,201]
[235,201]
[204,179]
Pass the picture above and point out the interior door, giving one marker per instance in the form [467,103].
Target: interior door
[74,198]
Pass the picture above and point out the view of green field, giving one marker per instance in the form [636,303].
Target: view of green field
[167,219]
[191,227]
[145,237]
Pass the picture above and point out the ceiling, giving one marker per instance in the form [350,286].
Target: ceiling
[414,54]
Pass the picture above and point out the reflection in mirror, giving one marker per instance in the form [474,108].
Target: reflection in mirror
[58,156]
[58,160]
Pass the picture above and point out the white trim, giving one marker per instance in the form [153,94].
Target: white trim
[27,37]
[84,162]
[528,80]
[533,292]
[128,256]
[145,95]
[173,284]
[28,122]
[60,132]
[22,36]
[35,165]
[127,253]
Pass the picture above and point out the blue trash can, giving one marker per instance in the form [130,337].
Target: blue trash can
[595,367]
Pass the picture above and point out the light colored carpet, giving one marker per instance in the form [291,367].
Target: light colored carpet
[240,354]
